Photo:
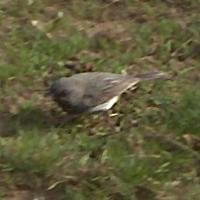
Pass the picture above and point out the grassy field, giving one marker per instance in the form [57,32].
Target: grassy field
[150,150]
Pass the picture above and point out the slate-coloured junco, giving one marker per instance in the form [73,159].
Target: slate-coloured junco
[94,91]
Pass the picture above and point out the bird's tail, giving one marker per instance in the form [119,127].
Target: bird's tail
[152,75]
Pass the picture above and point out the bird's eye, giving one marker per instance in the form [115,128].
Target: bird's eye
[63,93]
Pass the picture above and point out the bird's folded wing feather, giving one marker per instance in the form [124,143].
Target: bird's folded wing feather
[108,88]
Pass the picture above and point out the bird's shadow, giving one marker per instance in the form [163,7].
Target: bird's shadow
[27,119]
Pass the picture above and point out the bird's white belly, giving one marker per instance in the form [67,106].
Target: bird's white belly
[105,106]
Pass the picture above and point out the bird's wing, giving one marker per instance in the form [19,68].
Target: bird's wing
[119,84]
[105,88]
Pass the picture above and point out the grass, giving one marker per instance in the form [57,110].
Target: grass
[189,106]
[147,150]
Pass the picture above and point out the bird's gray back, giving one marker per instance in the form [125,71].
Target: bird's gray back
[102,86]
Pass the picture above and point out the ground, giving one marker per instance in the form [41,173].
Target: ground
[149,149]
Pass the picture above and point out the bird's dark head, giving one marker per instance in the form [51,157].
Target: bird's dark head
[68,93]
[59,89]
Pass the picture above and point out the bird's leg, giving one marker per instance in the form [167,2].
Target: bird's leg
[72,117]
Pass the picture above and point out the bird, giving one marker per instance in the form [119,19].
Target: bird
[94,91]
